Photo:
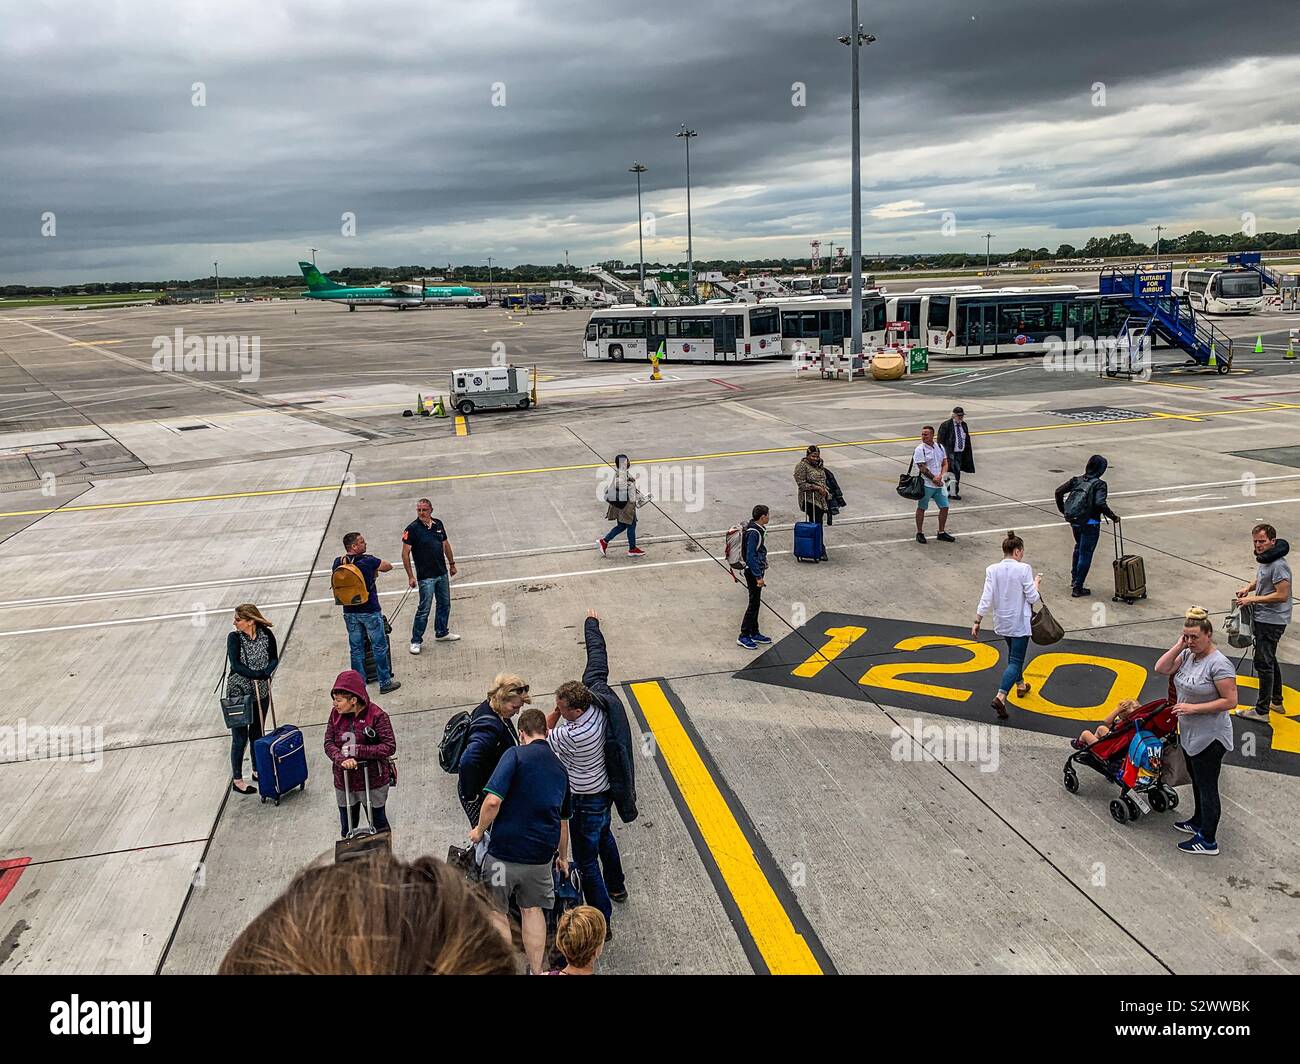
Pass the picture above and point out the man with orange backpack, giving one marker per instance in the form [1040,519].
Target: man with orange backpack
[353,583]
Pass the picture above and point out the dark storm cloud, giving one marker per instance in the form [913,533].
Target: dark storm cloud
[316,109]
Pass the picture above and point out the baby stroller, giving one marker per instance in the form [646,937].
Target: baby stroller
[1130,756]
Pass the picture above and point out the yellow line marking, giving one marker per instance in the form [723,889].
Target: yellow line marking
[578,467]
[784,950]
[93,343]
[462,429]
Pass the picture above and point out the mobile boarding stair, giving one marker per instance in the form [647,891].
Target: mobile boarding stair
[1253,260]
[1154,310]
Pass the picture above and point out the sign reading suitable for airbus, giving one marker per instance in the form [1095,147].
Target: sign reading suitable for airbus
[936,668]
[1159,283]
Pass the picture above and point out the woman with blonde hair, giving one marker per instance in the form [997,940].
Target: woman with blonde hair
[580,936]
[251,657]
[491,734]
[1205,684]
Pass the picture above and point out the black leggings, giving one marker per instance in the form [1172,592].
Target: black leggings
[349,821]
[1204,770]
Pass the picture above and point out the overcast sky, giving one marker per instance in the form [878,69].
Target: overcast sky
[985,108]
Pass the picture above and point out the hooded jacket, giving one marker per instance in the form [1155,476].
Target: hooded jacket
[345,738]
[1097,501]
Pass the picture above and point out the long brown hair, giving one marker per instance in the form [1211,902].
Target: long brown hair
[375,916]
[246,611]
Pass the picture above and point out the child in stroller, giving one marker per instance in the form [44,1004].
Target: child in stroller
[1130,754]
[1117,716]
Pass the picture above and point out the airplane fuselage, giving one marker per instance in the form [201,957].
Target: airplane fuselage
[385,297]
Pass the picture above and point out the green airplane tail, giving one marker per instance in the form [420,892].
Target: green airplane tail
[317,281]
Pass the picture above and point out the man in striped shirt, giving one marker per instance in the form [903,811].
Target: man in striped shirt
[578,725]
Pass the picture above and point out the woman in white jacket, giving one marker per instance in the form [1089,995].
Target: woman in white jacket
[1010,590]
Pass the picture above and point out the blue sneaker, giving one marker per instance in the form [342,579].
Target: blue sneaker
[1197,845]
[746,642]
[1187,827]
[759,637]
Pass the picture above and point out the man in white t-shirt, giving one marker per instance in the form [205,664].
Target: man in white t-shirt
[931,461]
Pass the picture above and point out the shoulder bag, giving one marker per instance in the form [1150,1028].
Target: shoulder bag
[911,485]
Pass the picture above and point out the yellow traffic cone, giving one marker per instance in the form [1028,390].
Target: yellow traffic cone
[1214,359]
[438,409]
[1290,347]
[1259,344]
[421,405]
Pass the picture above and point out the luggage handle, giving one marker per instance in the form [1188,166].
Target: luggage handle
[1119,539]
[257,697]
[347,793]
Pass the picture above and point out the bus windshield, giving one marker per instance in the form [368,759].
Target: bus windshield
[1241,285]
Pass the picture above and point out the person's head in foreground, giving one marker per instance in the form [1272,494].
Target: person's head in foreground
[375,916]
[580,936]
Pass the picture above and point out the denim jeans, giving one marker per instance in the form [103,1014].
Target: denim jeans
[1085,542]
[435,587]
[620,527]
[1017,647]
[373,625]
[594,850]
[749,623]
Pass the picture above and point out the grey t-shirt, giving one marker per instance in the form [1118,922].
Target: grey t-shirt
[1269,575]
[1194,683]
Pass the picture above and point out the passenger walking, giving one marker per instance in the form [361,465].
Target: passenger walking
[1082,500]
[525,816]
[365,619]
[591,736]
[359,739]
[814,490]
[329,921]
[425,542]
[1269,597]
[1010,591]
[754,546]
[580,937]
[623,498]
[491,733]
[954,438]
[1205,684]
[251,656]
[932,463]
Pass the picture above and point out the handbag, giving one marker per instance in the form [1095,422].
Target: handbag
[1173,763]
[1044,628]
[1239,626]
[236,710]
[911,485]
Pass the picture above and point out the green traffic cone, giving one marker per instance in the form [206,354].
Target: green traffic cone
[1214,359]
[1259,344]
[1290,348]
[420,407]
[438,409]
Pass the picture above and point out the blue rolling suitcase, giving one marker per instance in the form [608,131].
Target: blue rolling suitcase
[280,759]
[809,546]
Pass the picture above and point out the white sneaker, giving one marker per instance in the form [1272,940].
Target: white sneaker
[450,637]
[415,648]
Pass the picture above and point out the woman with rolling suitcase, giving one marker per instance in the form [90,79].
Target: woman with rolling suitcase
[251,658]
[359,731]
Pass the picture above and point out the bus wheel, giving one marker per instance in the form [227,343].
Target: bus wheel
[465,406]
[523,403]
[616,352]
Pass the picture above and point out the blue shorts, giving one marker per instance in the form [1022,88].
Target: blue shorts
[939,495]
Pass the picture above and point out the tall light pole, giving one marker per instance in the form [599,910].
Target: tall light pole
[1159,229]
[855,39]
[489,269]
[313,256]
[687,134]
[638,169]
[217,278]
[988,243]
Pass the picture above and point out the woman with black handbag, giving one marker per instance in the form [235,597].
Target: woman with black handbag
[252,657]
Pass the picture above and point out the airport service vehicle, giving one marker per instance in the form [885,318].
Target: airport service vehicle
[710,332]
[493,388]
[813,322]
[972,321]
[1226,291]
[401,296]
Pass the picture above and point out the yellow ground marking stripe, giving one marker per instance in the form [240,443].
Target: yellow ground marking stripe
[783,949]
[462,429]
[1271,408]
[93,343]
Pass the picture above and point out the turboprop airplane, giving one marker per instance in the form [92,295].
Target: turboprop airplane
[402,295]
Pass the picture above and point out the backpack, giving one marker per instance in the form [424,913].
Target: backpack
[349,585]
[1078,504]
[735,547]
[1238,626]
[455,737]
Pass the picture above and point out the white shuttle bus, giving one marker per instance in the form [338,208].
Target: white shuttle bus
[1227,291]
[813,322]
[710,332]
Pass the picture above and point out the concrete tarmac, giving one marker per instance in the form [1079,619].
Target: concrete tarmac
[786,819]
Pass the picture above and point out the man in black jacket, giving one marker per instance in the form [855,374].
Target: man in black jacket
[594,742]
[954,437]
[1083,502]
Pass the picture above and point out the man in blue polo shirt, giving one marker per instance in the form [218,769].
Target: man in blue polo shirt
[424,542]
[526,806]
[367,618]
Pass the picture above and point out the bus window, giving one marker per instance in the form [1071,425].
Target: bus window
[606,330]
[591,330]
[630,328]
[1110,316]
[938,316]
[725,334]
[672,324]
[1082,319]
[1058,315]
[1033,318]
[1240,285]
[809,327]
[909,310]
[790,327]
[764,321]
[877,317]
